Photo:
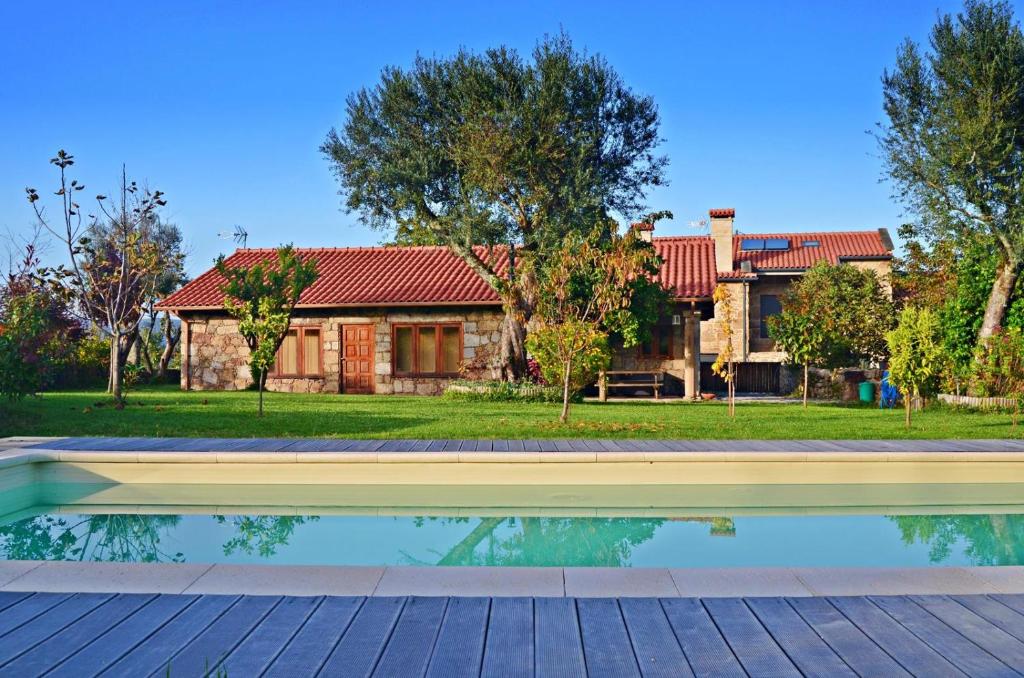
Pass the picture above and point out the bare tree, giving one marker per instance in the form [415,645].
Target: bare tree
[113,262]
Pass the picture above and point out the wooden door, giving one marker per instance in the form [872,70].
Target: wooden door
[357,358]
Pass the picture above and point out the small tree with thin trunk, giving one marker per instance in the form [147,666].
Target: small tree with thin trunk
[724,365]
[114,260]
[832,316]
[263,297]
[916,354]
[583,290]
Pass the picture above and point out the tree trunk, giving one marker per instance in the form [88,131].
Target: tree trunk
[566,376]
[116,369]
[806,383]
[999,297]
[262,380]
[907,398]
[513,348]
[171,339]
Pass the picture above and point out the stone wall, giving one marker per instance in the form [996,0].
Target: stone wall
[215,356]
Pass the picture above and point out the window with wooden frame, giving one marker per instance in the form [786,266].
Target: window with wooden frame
[301,353]
[770,305]
[659,344]
[428,350]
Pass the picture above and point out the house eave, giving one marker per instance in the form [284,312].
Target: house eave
[300,307]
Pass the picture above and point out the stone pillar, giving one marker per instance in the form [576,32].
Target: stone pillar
[185,346]
[691,355]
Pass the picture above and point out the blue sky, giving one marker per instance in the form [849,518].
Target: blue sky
[764,105]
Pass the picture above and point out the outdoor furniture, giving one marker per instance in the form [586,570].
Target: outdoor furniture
[652,379]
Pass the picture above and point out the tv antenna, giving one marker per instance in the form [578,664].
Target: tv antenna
[238,234]
[700,225]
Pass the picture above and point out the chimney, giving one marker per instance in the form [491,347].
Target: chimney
[644,231]
[721,233]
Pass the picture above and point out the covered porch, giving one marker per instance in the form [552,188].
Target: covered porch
[666,364]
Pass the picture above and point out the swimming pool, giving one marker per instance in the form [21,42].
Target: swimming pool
[720,526]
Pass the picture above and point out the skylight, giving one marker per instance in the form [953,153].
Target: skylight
[811,243]
[760,244]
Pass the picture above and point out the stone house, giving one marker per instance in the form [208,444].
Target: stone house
[409,319]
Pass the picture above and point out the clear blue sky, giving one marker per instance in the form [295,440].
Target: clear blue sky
[764,105]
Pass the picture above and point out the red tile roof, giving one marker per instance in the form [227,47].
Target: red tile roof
[396,276]
[725,212]
[833,246]
[361,276]
[687,265]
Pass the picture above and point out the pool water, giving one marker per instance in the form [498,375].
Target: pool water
[880,525]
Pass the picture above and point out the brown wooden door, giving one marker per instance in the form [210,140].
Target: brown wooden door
[357,358]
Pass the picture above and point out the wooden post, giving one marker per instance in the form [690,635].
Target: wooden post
[602,386]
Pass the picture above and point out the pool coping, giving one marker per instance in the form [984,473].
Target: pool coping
[576,582]
[19,450]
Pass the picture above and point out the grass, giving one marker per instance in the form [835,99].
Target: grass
[167,411]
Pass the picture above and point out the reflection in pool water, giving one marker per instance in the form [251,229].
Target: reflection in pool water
[773,540]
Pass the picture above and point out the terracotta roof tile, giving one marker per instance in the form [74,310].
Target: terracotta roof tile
[362,276]
[394,276]
[687,265]
[833,246]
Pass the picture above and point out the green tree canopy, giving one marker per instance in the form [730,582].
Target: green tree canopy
[492,148]
[833,316]
[954,141]
[262,297]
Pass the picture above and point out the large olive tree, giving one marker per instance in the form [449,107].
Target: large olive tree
[495,149]
[954,140]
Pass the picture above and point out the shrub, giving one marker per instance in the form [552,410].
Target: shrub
[545,343]
[502,392]
[999,365]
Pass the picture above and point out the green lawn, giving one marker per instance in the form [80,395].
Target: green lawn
[166,411]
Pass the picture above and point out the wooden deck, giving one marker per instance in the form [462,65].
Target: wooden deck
[88,634]
[562,445]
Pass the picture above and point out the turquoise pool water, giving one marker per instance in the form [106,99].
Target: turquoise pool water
[726,526]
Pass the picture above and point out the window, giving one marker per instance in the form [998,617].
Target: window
[300,354]
[812,243]
[430,350]
[770,306]
[659,345]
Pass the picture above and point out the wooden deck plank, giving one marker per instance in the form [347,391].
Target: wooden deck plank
[1008,620]
[65,613]
[408,650]
[557,638]
[153,653]
[986,635]
[606,643]
[76,635]
[954,646]
[217,640]
[28,609]
[798,640]
[654,644]
[857,650]
[9,598]
[121,638]
[459,649]
[703,646]
[508,650]
[310,647]
[256,653]
[757,651]
[911,652]
[363,642]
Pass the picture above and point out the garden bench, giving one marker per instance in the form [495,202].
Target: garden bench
[652,379]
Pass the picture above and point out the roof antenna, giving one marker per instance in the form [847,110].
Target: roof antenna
[239,235]
[700,225]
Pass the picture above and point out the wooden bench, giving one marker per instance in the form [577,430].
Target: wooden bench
[652,379]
